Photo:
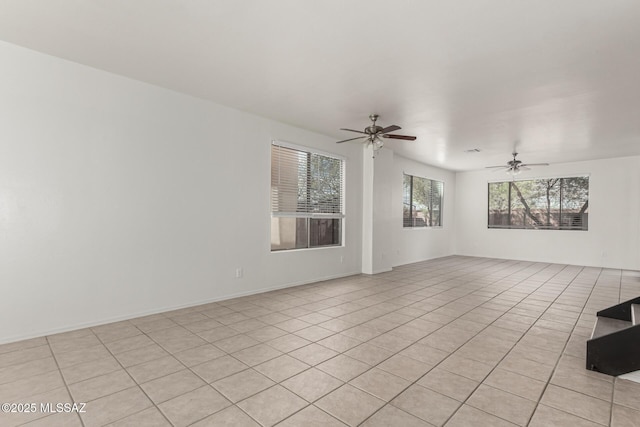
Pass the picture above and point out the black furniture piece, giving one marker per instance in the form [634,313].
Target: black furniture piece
[614,347]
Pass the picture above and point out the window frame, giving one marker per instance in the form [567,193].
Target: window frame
[511,226]
[440,216]
[309,216]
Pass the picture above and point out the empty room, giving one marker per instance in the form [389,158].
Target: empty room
[341,213]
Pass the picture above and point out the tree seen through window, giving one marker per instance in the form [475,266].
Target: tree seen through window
[422,202]
[551,203]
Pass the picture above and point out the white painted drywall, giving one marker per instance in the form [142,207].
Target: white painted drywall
[382,210]
[118,198]
[376,211]
[368,170]
[613,238]
[419,244]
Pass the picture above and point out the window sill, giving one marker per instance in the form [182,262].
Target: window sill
[424,228]
[306,249]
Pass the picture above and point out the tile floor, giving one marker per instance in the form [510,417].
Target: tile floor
[456,341]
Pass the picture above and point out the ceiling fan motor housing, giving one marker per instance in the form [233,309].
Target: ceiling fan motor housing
[373,129]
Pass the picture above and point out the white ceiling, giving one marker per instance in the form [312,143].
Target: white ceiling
[560,76]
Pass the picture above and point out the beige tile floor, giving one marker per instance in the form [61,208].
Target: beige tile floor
[456,341]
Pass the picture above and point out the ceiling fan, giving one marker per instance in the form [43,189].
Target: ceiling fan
[515,166]
[374,134]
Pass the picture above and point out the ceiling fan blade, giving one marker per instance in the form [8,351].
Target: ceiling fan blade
[357,131]
[535,164]
[352,139]
[524,168]
[500,169]
[390,129]
[405,137]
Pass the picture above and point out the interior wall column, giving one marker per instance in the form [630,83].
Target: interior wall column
[377,205]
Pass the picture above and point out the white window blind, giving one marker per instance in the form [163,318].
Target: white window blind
[307,198]
[305,184]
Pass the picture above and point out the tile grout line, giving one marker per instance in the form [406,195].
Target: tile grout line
[615,379]
[460,346]
[196,374]
[64,380]
[537,318]
[189,368]
[380,294]
[393,354]
[524,333]
[555,367]
[143,333]
[248,368]
[134,381]
[376,365]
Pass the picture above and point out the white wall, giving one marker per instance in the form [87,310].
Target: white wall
[118,198]
[377,208]
[613,238]
[419,244]
[383,207]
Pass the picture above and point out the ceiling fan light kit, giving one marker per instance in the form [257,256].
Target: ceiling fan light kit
[377,144]
[373,135]
[513,172]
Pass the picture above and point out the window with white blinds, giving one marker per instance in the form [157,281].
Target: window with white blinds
[422,202]
[306,198]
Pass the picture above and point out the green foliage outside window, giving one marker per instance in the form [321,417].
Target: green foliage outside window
[422,202]
[552,203]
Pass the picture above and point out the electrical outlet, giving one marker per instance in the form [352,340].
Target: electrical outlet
[342,258]
[239,272]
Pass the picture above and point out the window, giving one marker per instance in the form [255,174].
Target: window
[550,204]
[422,202]
[306,198]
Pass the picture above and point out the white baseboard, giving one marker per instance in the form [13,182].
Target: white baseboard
[90,324]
